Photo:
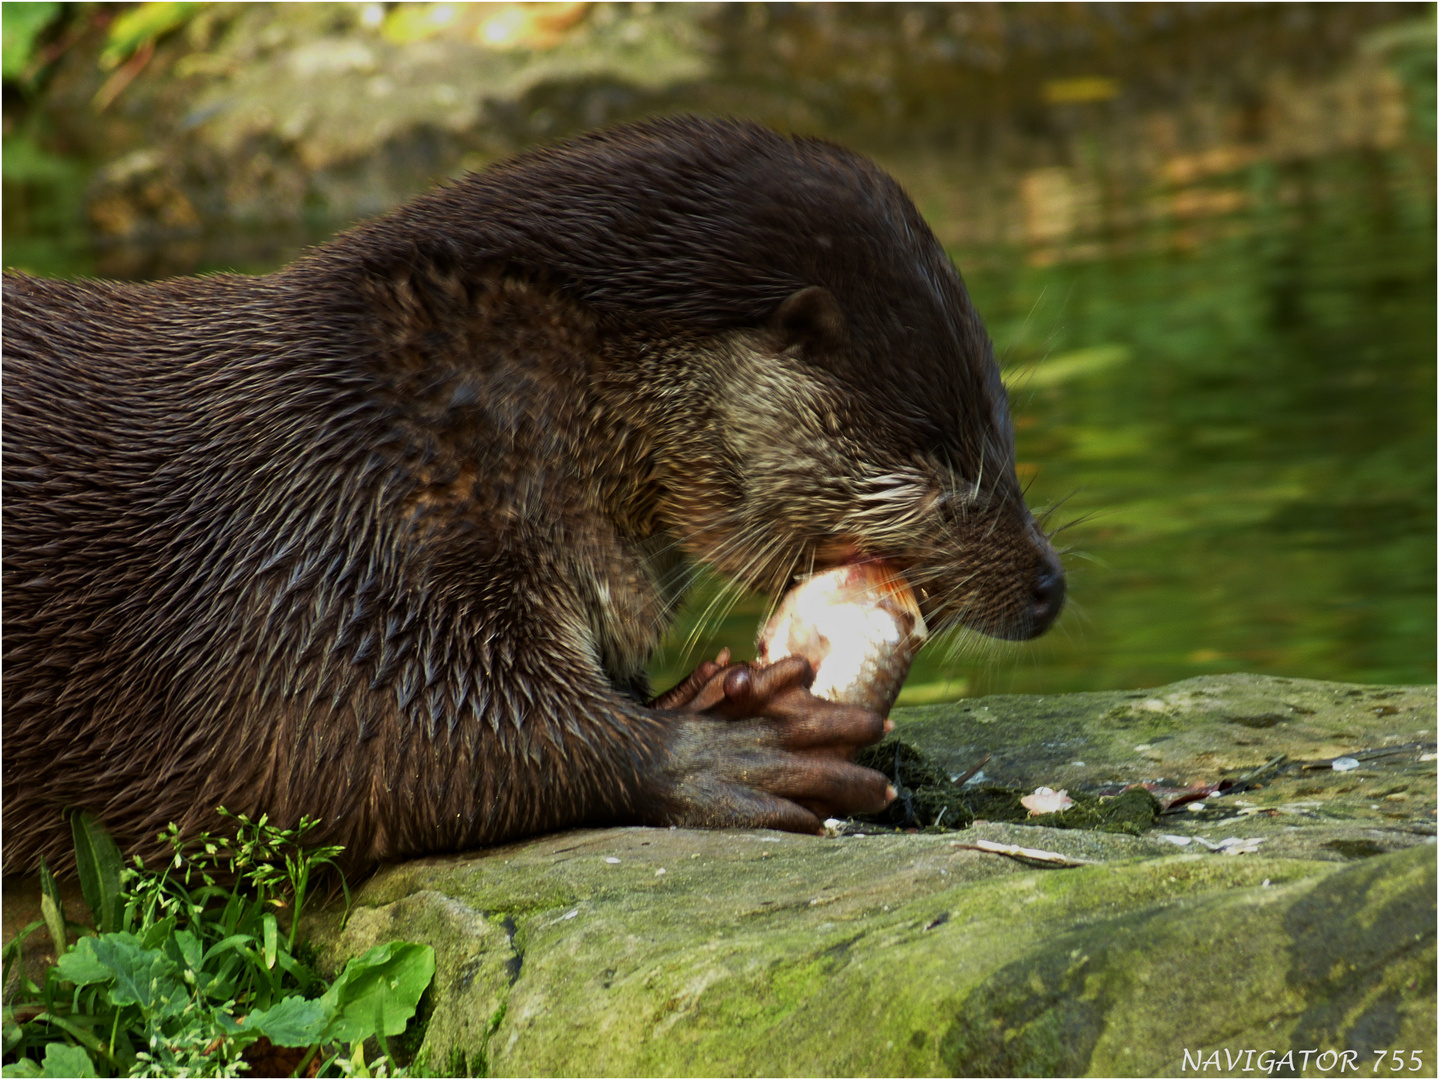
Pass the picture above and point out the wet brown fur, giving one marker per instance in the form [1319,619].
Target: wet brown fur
[387,537]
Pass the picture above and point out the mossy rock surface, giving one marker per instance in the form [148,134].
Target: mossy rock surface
[680,952]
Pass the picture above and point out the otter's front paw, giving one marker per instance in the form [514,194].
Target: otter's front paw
[753,747]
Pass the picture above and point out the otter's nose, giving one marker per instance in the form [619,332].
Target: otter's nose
[1047,592]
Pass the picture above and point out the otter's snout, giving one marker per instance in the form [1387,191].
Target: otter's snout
[1046,595]
[1036,600]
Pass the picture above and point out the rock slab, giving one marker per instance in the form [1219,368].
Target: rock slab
[677,952]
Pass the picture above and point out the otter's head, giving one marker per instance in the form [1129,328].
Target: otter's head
[857,411]
[832,443]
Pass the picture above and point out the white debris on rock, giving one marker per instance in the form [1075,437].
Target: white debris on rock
[1046,801]
[1233,845]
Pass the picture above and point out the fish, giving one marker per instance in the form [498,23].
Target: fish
[858,625]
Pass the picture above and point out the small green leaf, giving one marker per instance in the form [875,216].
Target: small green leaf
[52,909]
[272,941]
[292,1022]
[191,951]
[80,965]
[144,977]
[22,1068]
[62,1059]
[388,980]
[99,862]
[235,942]
[158,933]
[358,1066]
[288,963]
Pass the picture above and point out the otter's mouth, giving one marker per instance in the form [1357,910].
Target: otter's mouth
[848,552]
[1036,602]
[833,554]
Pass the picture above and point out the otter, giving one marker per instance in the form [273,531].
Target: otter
[386,537]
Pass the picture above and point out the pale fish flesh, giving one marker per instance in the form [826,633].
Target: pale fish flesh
[859,626]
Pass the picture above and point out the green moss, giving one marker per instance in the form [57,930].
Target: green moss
[1130,812]
[480,1060]
[990,802]
[929,800]
[927,797]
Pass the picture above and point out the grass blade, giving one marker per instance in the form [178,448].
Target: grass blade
[99,862]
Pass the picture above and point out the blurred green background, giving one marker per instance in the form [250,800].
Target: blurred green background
[1203,238]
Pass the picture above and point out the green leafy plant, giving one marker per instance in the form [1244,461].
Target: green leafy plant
[188,966]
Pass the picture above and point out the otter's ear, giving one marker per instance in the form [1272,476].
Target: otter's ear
[809,318]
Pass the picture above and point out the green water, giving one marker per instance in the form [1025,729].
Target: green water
[1259,456]
[1243,421]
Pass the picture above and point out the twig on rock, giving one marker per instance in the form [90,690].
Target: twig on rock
[1014,851]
